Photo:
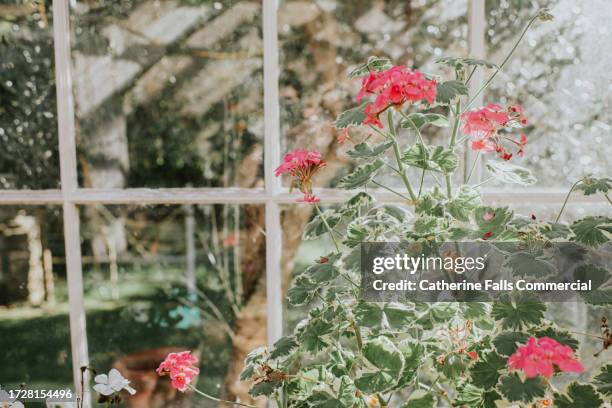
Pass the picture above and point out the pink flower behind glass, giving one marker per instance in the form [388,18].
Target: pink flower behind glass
[302,165]
[181,369]
[485,126]
[394,87]
[540,356]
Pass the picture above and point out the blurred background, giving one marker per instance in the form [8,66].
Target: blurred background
[169,93]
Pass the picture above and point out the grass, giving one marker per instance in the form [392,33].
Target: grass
[35,342]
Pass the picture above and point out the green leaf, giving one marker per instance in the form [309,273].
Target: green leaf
[555,231]
[460,63]
[382,316]
[283,347]
[371,383]
[302,291]
[264,388]
[492,220]
[351,117]
[323,272]
[526,264]
[361,176]
[591,185]
[384,355]
[519,314]
[449,90]
[364,150]
[359,200]
[597,276]
[454,366]
[473,397]
[316,227]
[578,395]
[485,372]
[603,380]
[592,231]
[435,158]
[314,335]
[561,337]
[507,343]
[418,120]
[514,389]
[413,357]
[374,64]
[510,173]
[421,399]
[466,200]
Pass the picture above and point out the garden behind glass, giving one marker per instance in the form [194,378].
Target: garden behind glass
[188,181]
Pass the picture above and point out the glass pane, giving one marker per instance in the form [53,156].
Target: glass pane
[168,93]
[321,42]
[167,278]
[28,122]
[34,323]
[560,77]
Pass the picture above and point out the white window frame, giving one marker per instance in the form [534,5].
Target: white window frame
[70,196]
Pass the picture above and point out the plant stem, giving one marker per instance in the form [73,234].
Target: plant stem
[504,62]
[608,198]
[467,180]
[484,182]
[398,159]
[331,233]
[391,190]
[451,145]
[566,200]
[210,397]
[424,155]
[357,335]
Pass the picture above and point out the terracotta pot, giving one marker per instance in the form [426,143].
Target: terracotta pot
[152,391]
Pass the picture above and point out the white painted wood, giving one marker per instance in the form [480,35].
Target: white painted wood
[274,242]
[477,49]
[69,184]
[170,196]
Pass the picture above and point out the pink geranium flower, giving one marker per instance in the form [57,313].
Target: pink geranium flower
[485,126]
[302,165]
[394,87]
[540,356]
[181,369]
[343,136]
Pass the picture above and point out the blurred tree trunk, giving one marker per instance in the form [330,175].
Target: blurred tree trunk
[324,101]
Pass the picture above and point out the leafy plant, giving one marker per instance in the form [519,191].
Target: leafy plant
[351,353]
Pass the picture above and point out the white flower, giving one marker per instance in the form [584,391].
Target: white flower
[7,402]
[113,382]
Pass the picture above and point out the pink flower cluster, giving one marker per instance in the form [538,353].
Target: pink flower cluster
[485,123]
[302,165]
[394,87]
[181,369]
[539,356]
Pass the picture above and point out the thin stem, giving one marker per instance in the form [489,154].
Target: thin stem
[398,159]
[467,81]
[484,182]
[608,198]
[455,131]
[504,62]
[331,232]
[588,335]
[357,335]
[451,145]
[569,193]
[391,190]
[473,167]
[210,397]
[424,155]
